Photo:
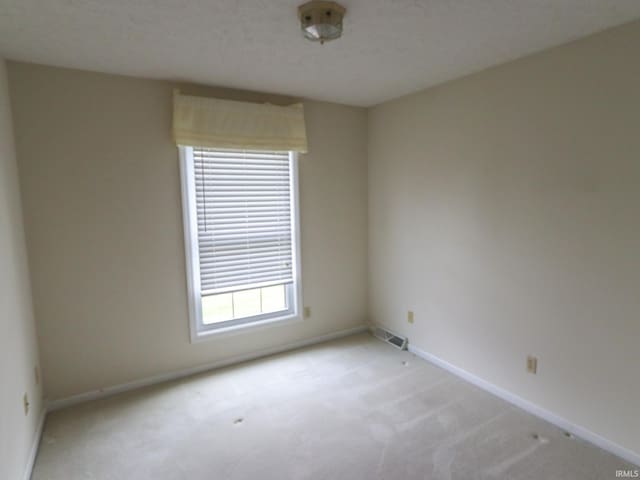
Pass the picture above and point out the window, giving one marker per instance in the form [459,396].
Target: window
[242,239]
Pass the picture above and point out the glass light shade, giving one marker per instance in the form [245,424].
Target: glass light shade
[322,32]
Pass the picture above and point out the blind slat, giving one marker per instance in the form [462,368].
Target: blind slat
[250,207]
[243,208]
[234,261]
[233,250]
[239,154]
[213,231]
[213,217]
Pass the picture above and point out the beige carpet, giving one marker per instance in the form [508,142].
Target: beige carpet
[350,409]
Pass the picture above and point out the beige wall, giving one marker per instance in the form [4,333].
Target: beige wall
[504,209]
[18,344]
[100,183]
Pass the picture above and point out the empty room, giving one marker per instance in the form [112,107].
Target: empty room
[289,240]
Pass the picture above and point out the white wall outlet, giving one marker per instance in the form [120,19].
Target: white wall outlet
[532,364]
[410,316]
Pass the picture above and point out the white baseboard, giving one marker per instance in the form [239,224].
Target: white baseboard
[35,445]
[144,382]
[530,407]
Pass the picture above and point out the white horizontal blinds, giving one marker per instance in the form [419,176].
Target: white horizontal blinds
[243,201]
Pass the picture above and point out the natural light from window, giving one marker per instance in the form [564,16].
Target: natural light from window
[243,303]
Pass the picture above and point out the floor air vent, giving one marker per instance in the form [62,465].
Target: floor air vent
[390,337]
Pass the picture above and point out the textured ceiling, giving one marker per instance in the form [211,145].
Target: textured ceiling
[389,48]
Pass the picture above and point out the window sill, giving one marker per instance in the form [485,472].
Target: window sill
[212,333]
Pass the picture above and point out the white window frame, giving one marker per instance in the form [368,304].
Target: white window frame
[198,330]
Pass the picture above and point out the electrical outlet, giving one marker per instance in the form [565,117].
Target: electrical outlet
[410,316]
[25,403]
[36,374]
[532,364]
[307,312]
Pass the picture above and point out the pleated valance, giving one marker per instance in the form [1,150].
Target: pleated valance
[216,123]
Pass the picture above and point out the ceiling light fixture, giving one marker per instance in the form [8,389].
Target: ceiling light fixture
[321,21]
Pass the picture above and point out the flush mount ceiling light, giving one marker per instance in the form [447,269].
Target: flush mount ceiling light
[321,21]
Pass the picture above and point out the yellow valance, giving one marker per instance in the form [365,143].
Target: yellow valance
[216,123]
